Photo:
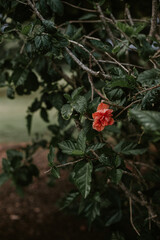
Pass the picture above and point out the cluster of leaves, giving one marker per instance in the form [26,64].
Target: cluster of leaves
[74,67]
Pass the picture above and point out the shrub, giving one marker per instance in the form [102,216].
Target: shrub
[107,133]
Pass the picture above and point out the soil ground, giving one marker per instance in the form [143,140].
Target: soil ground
[36,216]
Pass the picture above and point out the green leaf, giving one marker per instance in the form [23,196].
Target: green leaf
[116,175]
[6,165]
[149,77]
[66,111]
[29,123]
[68,97]
[114,218]
[49,26]
[150,120]
[81,141]
[56,6]
[76,92]
[27,29]
[118,161]
[19,76]
[82,177]
[88,16]
[44,114]
[80,105]
[120,83]
[129,148]
[105,160]
[42,43]
[55,172]
[3,178]
[10,93]
[77,152]
[51,155]
[67,147]
[69,199]
[95,147]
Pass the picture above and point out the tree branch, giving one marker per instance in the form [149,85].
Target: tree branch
[35,10]
[102,17]
[154,18]
[83,9]
[85,68]
[90,54]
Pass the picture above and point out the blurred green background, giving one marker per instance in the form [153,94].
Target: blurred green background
[13,122]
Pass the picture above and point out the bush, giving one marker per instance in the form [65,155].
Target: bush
[107,134]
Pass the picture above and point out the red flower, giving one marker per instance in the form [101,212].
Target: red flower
[103,117]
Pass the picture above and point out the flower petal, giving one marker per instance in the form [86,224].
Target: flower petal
[102,106]
[98,126]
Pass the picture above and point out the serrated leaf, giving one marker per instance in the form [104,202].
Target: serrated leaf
[3,178]
[116,175]
[68,97]
[55,172]
[56,6]
[150,120]
[42,43]
[49,26]
[114,218]
[51,156]
[80,104]
[81,141]
[19,76]
[66,111]
[76,92]
[95,147]
[129,148]
[69,199]
[120,83]
[105,160]
[77,152]
[149,77]
[67,146]
[5,165]
[118,161]
[27,29]
[82,177]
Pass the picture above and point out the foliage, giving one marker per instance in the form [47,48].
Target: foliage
[74,67]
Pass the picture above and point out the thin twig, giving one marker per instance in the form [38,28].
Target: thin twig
[124,109]
[127,11]
[147,89]
[131,217]
[154,18]
[65,164]
[21,2]
[102,17]
[110,168]
[90,54]
[85,68]
[91,80]
[141,201]
[118,63]
[63,75]
[83,9]
[35,10]
[125,64]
